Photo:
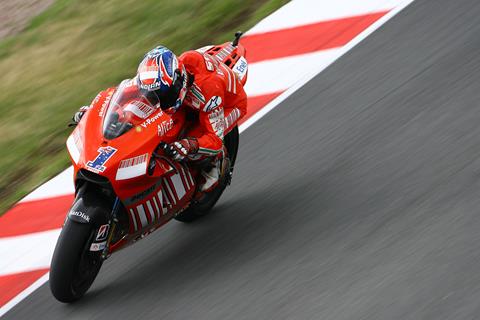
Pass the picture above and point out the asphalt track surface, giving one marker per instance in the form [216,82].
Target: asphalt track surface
[357,198]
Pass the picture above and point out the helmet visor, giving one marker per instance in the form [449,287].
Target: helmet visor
[166,99]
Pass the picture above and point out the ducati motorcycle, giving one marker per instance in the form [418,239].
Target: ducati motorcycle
[125,187]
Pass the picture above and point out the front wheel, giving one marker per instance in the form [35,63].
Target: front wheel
[74,267]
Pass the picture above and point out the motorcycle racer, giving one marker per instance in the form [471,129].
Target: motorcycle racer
[157,147]
[206,89]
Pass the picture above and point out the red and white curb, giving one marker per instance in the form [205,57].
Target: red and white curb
[284,50]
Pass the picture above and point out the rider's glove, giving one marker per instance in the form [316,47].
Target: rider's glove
[79,114]
[179,150]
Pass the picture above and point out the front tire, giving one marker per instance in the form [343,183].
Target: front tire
[74,267]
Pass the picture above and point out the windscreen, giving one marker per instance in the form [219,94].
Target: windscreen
[127,109]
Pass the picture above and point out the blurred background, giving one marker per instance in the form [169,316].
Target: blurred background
[71,50]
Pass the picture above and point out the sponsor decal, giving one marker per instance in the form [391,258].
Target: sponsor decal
[97,98]
[152,86]
[164,127]
[241,68]
[197,93]
[104,154]
[105,103]
[232,118]
[225,52]
[208,62]
[98,246]
[194,97]
[133,167]
[81,215]
[102,232]
[144,194]
[140,109]
[151,120]
[133,161]
[217,121]
[213,103]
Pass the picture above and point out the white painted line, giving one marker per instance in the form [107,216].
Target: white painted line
[280,74]
[28,252]
[61,185]
[22,295]
[317,69]
[302,12]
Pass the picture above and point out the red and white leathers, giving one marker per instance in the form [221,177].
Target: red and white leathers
[217,95]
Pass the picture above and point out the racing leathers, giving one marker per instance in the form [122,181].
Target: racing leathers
[217,95]
[217,98]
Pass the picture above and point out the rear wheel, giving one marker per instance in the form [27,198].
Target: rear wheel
[207,201]
[74,267]
[202,206]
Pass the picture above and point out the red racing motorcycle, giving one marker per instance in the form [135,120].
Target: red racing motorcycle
[125,187]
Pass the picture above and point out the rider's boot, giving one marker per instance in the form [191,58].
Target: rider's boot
[211,174]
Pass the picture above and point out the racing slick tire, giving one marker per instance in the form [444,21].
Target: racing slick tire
[207,201]
[74,267]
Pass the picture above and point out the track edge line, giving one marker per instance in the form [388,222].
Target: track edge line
[304,80]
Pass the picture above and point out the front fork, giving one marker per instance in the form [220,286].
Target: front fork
[113,222]
[105,232]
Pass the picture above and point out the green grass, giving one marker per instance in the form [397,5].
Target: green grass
[77,48]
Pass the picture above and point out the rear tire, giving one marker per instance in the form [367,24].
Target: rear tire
[74,267]
[202,206]
[208,200]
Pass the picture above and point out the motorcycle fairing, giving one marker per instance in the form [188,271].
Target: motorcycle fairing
[159,202]
[125,158]
[116,139]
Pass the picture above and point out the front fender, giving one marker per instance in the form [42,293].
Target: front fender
[90,207]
